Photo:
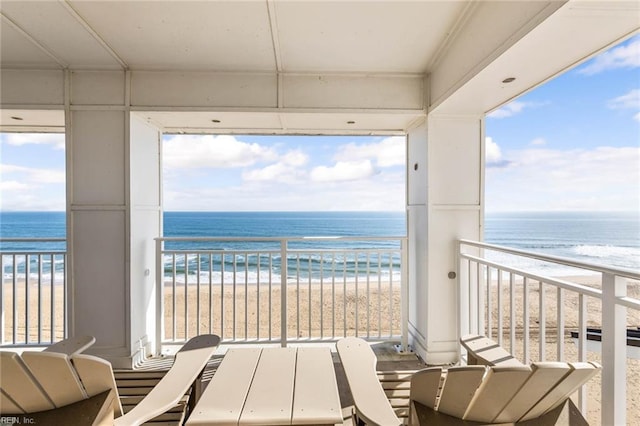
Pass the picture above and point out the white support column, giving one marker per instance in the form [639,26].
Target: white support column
[146,225]
[445,204]
[113,215]
[614,351]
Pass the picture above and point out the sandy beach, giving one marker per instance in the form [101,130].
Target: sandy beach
[331,313]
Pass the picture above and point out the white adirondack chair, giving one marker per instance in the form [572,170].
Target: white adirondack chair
[56,387]
[466,395]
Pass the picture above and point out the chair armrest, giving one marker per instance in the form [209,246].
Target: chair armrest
[72,345]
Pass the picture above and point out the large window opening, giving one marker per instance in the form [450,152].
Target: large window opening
[33,237]
[261,197]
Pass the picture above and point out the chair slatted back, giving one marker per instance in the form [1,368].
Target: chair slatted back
[580,373]
[7,405]
[19,386]
[544,376]
[425,385]
[55,374]
[96,376]
[499,386]
[459,388]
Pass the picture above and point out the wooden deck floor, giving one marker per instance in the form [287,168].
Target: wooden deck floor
[394,370]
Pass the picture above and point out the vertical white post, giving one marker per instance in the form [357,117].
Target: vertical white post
[614,363]
[283,293]
[159,298]
[404,290]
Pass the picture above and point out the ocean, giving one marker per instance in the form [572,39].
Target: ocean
[611,239]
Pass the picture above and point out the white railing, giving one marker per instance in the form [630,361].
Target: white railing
[607,302]
[281,290]
[33,291]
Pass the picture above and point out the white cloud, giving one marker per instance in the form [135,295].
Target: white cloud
[637,117]
[279,172]
[493,153]
[512,108]
[288,169]
[626,56]
[343,171]
[224,151]
[604,178]
[538,142]
[57,140]
[25,188]
[295,158]
[32,175]
[12,185]
[629,100]
[387,153]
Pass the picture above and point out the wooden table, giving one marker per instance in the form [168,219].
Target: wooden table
[271,386]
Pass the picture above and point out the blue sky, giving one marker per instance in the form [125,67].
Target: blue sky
[570,144]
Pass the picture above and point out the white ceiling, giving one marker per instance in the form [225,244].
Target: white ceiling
[260,35]
[285,37]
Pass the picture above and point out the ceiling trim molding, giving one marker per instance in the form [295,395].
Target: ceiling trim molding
[452,34]
[275,39]
[33,41]
[93,33]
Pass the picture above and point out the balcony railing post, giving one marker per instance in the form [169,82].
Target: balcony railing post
[404,296]
[614,350]
[159,297]
[283,292]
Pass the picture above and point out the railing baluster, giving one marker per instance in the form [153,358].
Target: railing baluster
[500,308]
[270,291]
[235,285]
[2,301]
[186,296]
[210,293]
[222,295]
[298,295]
[525,319]
[309,266]
[560,323]
[15,300]
[246,296]
[258,296]
[582,347]
[53,301]
[344,293]
[27,313]
[542,318]
[198,268]
[368,265]
[489,304]
[512,314]
[379,274]
[174,297]
[283,292]
[333,295]
[40,272]
[321,295]
[355,268]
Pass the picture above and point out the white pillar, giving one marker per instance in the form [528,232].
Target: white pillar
[113,214]
[444,204]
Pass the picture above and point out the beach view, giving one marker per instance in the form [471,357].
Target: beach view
[409,174]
